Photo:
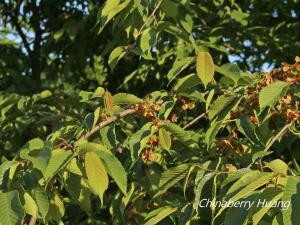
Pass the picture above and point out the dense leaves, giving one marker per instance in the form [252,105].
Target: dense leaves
[132,112]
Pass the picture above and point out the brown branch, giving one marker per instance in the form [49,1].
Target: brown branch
[194,121]
[14,17]
[278,135]
[108,121]
[35,56]
[152,15]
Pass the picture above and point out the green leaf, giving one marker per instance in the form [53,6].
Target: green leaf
[199,188]
[182,135]
[271,194]
[139,140]
[292,195]
[161,215]
[178,67]
[240,17]
[231,71]
[96,173]
[245,186]
[148,40]
[114,57]
[42,202]
[212,132]
[115,169]
[110,9]
[174,30]
[4,168]
[38,153]
[270,94]
[222,106]
[260,155]
[124,98]
[252,182]
[209,99]
[186,214]
[278,166]
[239,215]
[79,191]
[59,159]
[164,139]
[30,205]
[11,212]
[186,83]
[170,177]
[248,129]
[205,67]
[56,209]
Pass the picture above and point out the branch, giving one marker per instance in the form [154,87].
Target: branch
[152,15]
[14,17]
[194,120]
[108,121]
[278,135]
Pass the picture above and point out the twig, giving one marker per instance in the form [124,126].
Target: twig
[108,121]
[194,120]
[278,135]
[152,15]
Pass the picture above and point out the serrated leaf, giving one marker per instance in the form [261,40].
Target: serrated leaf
[124,98]
[270,94]
[292,195]
[178,67]
[148,40]
[182,135]
[30,206]
[79,191]
[186,83]
[110,9]
[139,140]
[4,168]
[161,215]
[205,67]
[56,209]
[212,132]
[248,129]
[42,202]
[231,71]
[170,177]
[221,106]
[115,169]
[199,187]
[96,173]
[271,194]
[114,57]
[278,166]
[164,139]
[209,99]
[59,159]
[245,186]
[11,212]
[260,155]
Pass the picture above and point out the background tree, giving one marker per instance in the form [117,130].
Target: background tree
[131,112]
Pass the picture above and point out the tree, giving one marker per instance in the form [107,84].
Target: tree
[134,112]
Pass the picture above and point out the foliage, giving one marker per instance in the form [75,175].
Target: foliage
[180,124]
